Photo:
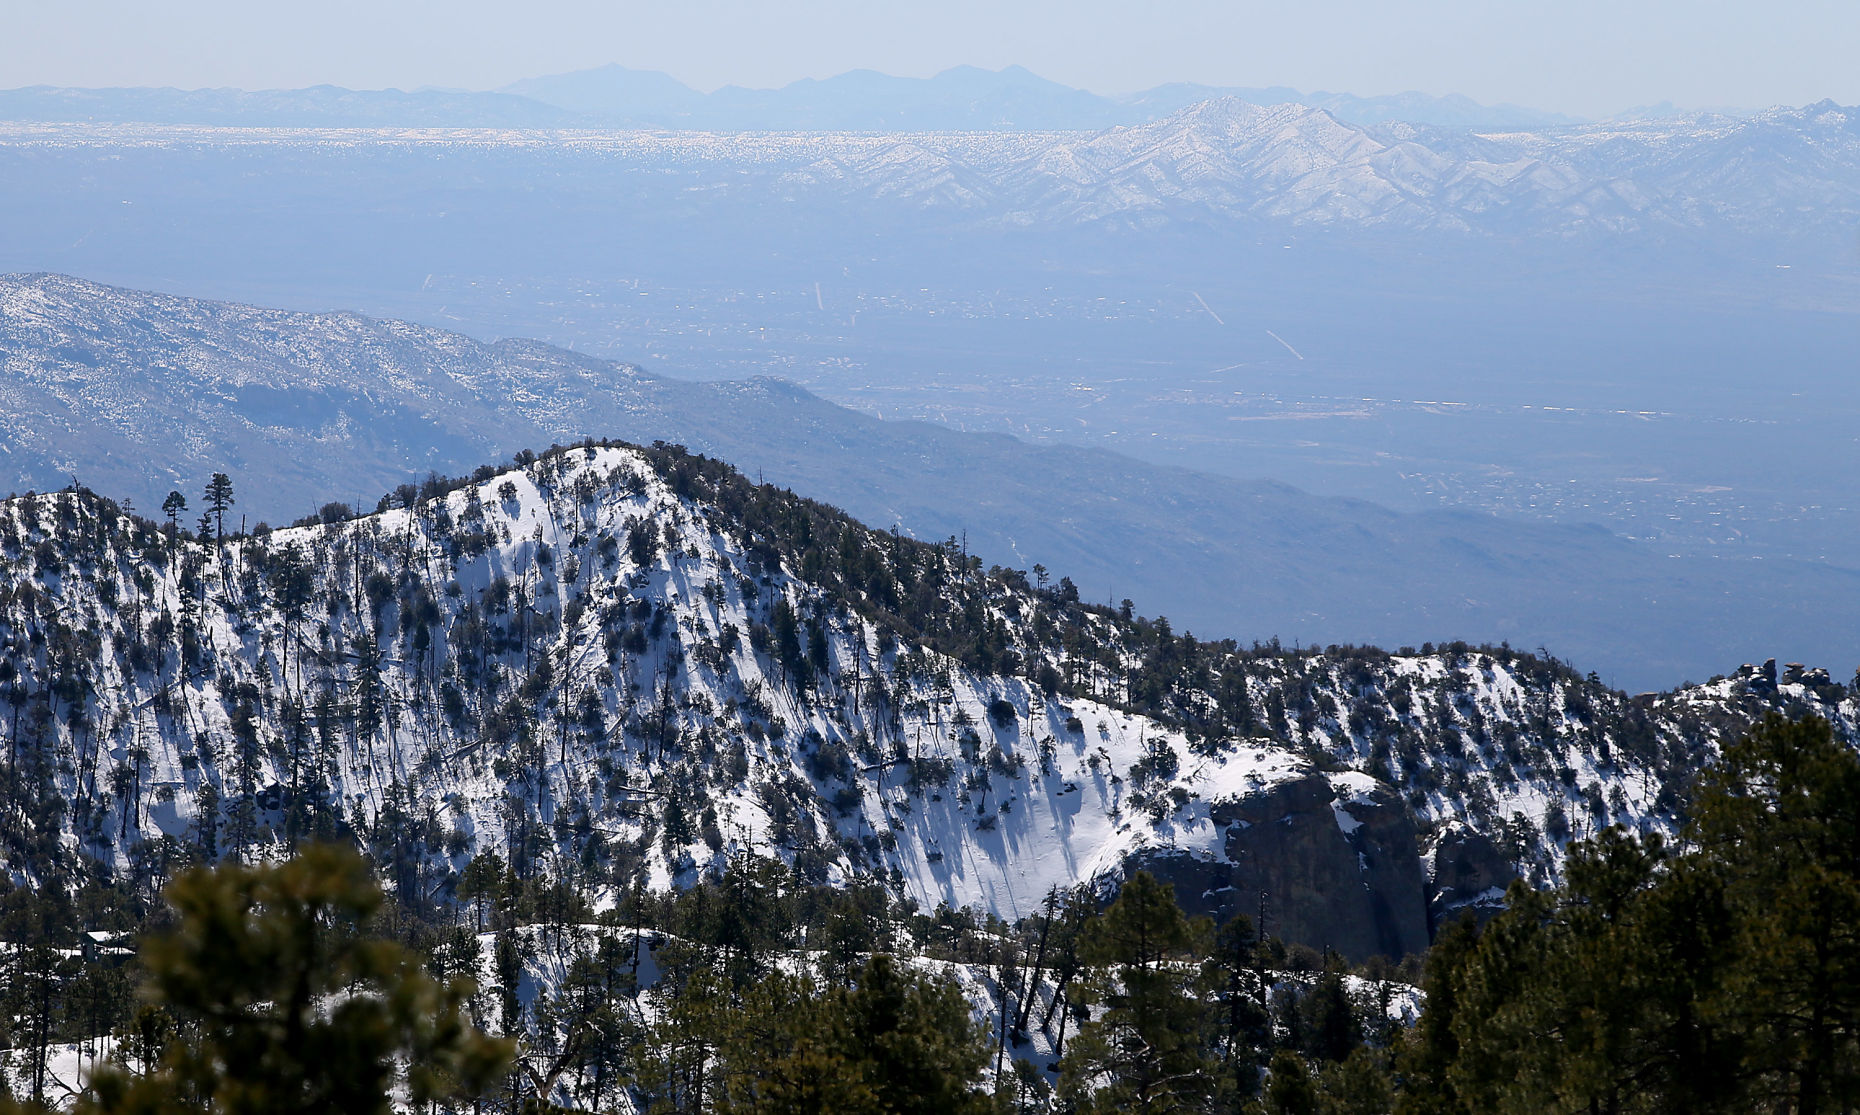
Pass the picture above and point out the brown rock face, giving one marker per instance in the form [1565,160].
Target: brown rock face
[1337,871]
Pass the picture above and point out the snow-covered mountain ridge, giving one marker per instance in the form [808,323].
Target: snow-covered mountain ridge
[610,663]
[136,393]
[1221,160]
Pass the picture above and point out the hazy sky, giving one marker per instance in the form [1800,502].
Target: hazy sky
[1580,56]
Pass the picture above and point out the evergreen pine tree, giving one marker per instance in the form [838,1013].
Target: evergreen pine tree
[1147,1050]
[1780,814]
[288,1006]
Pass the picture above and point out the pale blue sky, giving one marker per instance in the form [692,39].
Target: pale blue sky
[1579,56]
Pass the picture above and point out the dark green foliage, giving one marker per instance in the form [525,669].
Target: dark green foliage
[892,1041]
[219,501]
[1429,1052]
[1329,1020]
[282,1003]
[1290,1090]
[1722,977]
[1148,1048]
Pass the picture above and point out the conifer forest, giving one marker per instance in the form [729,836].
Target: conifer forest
[610,780]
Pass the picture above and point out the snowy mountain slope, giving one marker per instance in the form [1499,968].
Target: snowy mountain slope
[1226,158]
[137,394]
[611,663]
[943,851]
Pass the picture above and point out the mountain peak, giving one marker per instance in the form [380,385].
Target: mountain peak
[696,665]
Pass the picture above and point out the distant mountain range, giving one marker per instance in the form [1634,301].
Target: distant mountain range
[138,393]
[964,98]
[1778,171]
[1783,175]
[961,99]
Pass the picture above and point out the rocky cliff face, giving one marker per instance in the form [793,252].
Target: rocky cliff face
[1331,861]
[1468,873]
[625,666]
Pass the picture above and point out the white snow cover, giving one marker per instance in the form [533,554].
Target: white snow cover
[1044,798]
[999,836]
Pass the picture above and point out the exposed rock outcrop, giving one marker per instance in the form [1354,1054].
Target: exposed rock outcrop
[1335,858]
[1469,872]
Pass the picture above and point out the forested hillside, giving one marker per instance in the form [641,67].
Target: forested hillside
[613,664]
[615,687]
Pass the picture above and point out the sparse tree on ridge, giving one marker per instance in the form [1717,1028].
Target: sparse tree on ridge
[219,501]
[173,507]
